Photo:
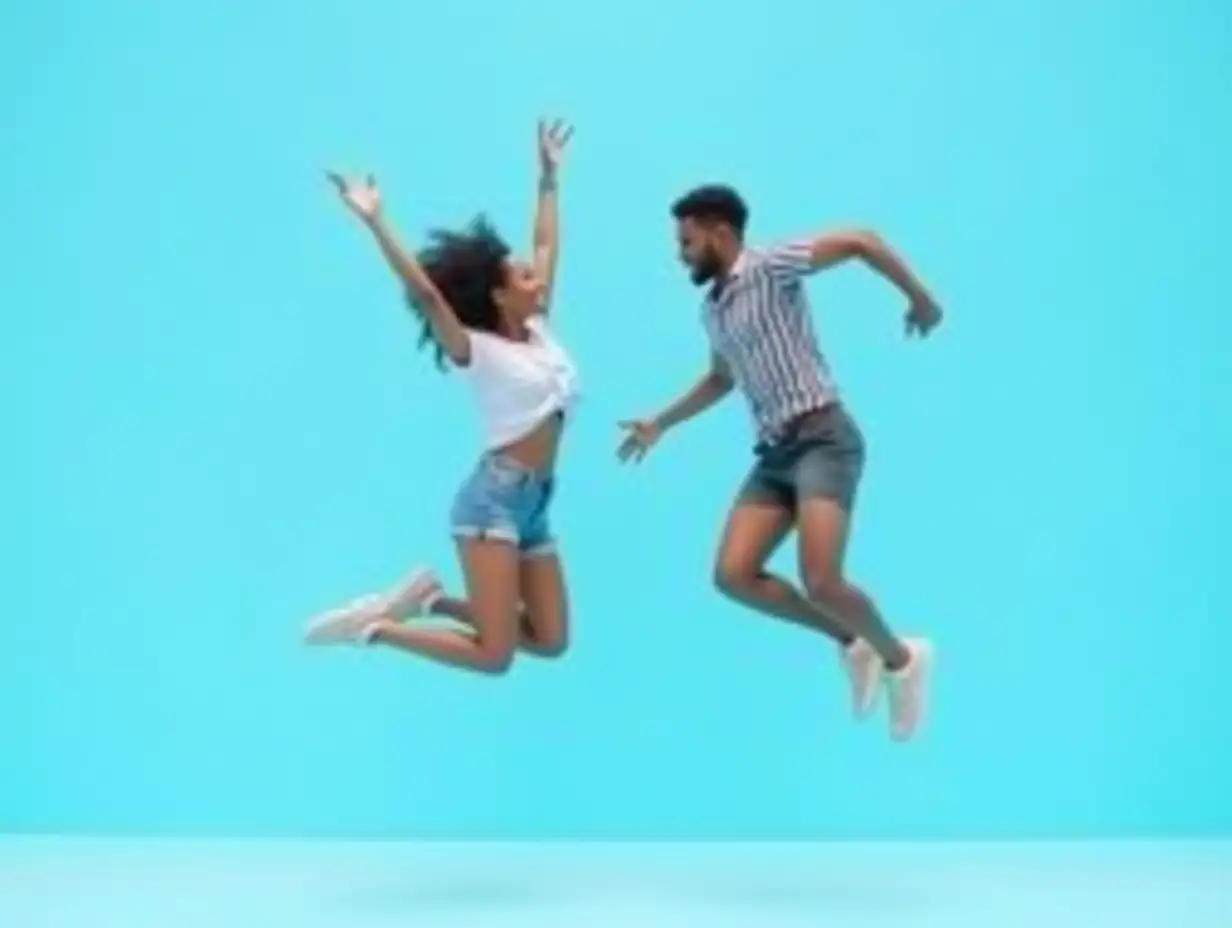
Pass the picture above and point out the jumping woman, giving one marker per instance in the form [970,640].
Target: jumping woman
[486,316]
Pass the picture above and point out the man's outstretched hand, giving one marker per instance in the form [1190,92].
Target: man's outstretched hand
[640,436]
[923,315]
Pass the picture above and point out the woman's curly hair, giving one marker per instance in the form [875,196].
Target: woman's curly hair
[465,266]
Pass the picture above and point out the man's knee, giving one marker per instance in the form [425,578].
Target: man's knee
[823,584]
[733,578]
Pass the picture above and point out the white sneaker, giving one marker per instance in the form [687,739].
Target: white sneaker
[349,624]
[415,595]
[864,670]
[908,690]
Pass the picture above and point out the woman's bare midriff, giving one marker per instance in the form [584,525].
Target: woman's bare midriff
[537,451]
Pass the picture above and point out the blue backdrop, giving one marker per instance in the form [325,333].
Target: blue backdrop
[219,424]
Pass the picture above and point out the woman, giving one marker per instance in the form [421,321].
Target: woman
[486,315]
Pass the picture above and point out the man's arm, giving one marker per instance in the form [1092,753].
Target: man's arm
[807,256]
[714,385]
[829,250]
[642,434]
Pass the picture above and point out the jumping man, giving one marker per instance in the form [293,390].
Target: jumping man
[809,453]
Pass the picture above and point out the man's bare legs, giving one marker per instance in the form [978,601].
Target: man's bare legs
[830,605]
[823,527]
[833,606]
[754,531]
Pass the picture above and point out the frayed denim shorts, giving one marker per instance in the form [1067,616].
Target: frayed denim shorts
[503,500]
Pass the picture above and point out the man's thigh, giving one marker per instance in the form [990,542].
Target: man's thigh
[761,517]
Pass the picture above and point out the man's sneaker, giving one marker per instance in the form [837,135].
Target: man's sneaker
[415,595]
[908,690]
[349,624]
[864,670]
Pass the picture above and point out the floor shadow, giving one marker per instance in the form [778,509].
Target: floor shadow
[452,894]
[797,894]
[765,893]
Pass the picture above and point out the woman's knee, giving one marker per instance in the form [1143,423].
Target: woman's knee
[495,642]
[547,638]
[549,648]
[493,657]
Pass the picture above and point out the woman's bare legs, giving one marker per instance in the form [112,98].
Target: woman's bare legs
[492,576]
[543,616]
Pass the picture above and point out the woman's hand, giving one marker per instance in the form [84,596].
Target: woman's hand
[552,142]
[363,198]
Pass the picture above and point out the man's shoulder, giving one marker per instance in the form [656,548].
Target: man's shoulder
[756,255]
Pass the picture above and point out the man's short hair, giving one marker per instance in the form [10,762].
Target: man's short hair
[713,203]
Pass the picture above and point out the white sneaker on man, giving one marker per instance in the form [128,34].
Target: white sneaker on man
[349,624]
[908,690]
[864,670]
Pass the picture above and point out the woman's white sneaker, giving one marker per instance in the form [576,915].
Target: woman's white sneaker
[415,595]
[349,624]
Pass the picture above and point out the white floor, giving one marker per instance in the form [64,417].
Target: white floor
[55,883]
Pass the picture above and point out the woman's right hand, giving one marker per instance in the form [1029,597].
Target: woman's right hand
[363,198]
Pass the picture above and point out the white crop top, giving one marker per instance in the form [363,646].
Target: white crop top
[519,384]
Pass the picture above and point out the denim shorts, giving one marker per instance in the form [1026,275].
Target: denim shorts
[820,456]
[504,500]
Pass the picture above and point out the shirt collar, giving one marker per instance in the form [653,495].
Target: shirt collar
[739,266]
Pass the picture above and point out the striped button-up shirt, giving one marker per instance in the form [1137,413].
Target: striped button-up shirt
[760,325]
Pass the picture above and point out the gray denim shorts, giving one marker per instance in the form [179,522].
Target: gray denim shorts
[821,455]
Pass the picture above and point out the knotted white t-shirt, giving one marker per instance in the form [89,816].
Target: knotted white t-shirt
[517,384]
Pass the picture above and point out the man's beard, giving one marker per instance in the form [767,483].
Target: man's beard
[706,270]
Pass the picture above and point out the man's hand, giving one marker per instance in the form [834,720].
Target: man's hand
[922,317]
[552,142]
[363,198]
[641,436]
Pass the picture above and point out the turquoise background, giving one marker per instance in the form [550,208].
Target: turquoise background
[218,422]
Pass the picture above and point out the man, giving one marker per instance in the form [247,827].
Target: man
[809,453]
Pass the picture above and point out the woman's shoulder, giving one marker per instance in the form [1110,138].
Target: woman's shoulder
[491,343]
[540,325]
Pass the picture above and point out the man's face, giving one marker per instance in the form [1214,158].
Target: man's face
[698,249]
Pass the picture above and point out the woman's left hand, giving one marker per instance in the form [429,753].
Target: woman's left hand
[552,141]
